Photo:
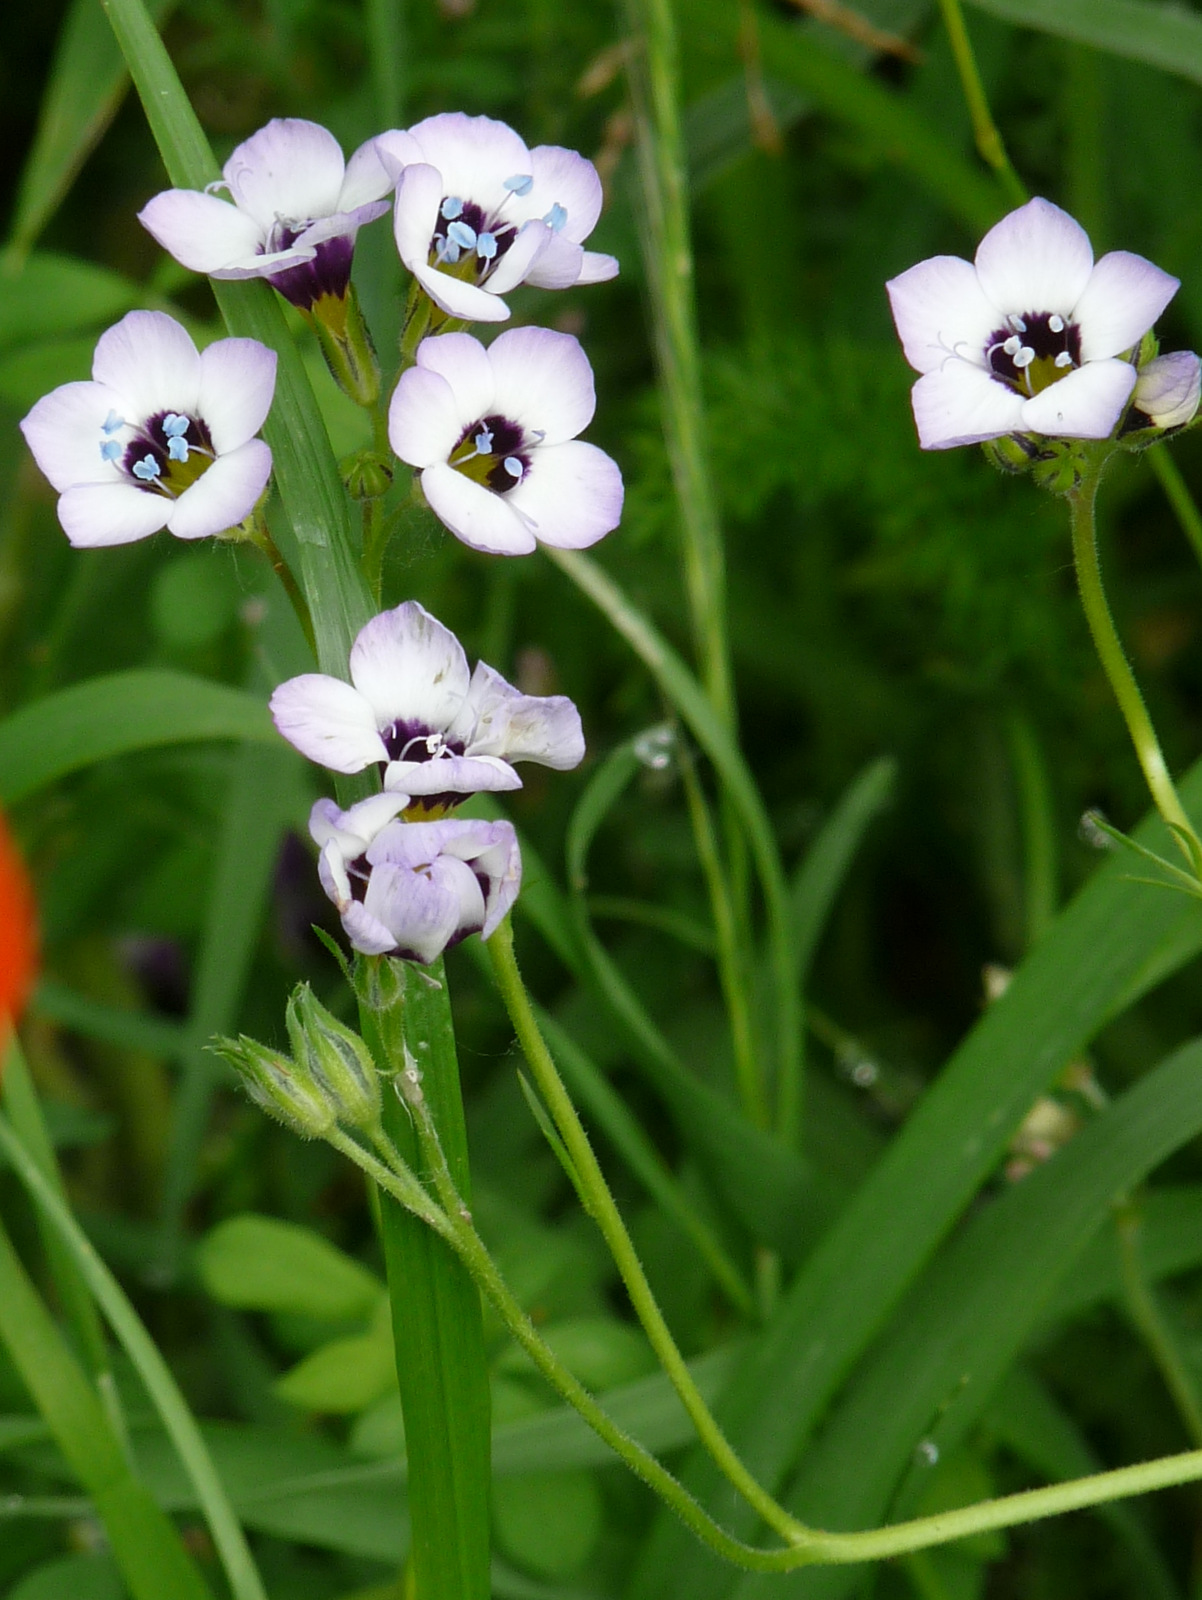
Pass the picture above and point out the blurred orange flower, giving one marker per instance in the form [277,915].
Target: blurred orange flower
[18,932]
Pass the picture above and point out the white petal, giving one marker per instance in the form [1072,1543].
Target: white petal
[516,265]
[452,775]
[1084,405]
[465,364]
[498,720]
[329,721]
[367,934]
[353,830]
[111,513]
[151,363]
[572,494]
[962,404]
[224,494]
[425,422]
[340,224]
[65,430]
[558,266]
[598,268]
[419,194]
[564,178]
[544,382]
[421,911]
[331,866]
[940,309]
[1123,298]
[1036,259]
[266,266]
[410,668]
[458,299]
[237,383]
[397,149]
[291,169]
[367,178]
[202,232]
[474,514]
[1168,389]
[475,155]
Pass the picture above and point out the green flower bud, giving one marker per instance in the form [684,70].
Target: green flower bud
[278,1085]
[335,1058]
[366,475]
[1011,453]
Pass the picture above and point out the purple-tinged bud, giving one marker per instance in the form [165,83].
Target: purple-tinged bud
[1168,389]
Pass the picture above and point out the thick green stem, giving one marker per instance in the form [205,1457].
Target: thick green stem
[1082,501]
[985,130]
[1150,1323]
[604,1209]
[436,1318]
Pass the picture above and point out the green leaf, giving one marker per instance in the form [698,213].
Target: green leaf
[601,1351]
[87,83]
[263,1264]
[345,1375]
[52,295]
[1170,1242]
[117,714]
[1162,35]
[548,1522]
[78,1577]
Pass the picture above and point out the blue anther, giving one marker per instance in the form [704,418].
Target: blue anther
[514,467]
[112,423]
[451,207]
[177,448]
[147,469]
[459,233]
[520,183]
[110,449]
[449,252]
[174,425]
[486,246]
[483,441]
[556,217]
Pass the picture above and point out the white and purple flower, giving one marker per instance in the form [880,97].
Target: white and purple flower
[477,213]
[297,208]
[1168,390]
[162,437]
[440,732]
[493,433]
[1031,337]
[412,889]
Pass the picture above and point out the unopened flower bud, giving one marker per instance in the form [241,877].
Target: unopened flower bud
[1168,389]
[278,1085]
[367,476]
[1013,452]
[335,1058]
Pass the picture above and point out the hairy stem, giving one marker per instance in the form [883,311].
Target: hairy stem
[985,131]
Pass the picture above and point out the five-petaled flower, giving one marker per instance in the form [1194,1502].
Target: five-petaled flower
[412,889]
[412,705]
[477,213]
[493,433]
[163,436]
[1031,337]
[297,207]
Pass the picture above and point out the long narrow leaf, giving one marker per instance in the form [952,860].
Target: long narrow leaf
[1162,35]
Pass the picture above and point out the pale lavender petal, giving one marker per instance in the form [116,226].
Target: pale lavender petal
[1036,259]
[475,155]
[331,870]
[266,266]
[498,720]
[466,301]
[366,933]
[564,178]
[224,494]
[474,514]
[341,224]
[425,420]
[291,169]
[558,266]
[367,178]
[1123,298]
[237,383]
[466,366]
[544,381]
[1168,389]
[451,775]
[598,268]
[150,361]
[572,495]
[351,831]
[961,404]
[1084,405]
[94,514]
[419,193]
[397,149]
[329,721]
[503,863]
[420,910]
[202,232]
[64,431]
[516,265]
[409,668]
[940,309]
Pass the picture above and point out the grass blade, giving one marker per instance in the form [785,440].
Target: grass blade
[1162,35]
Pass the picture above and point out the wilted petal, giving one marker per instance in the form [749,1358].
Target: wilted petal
[422,910]
[498,720]
[224,494]
[150,361]
[544,381]
[291,169]
[1167,390]
[94,514]
[1084,405]
[962,404]
[202,232]
[351,831]
[409,668]
[237,383]
[474,514]
[1036,259]
[452,775]
[572,494]
[64,431]
[366,933]
[1123,298]
[940,309]
[329,721]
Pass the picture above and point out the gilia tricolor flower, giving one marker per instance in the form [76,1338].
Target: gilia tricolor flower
[297,207]
[493,432]
[477,213]
[412,889]
[163,436]
[439,732]
[1031,337]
